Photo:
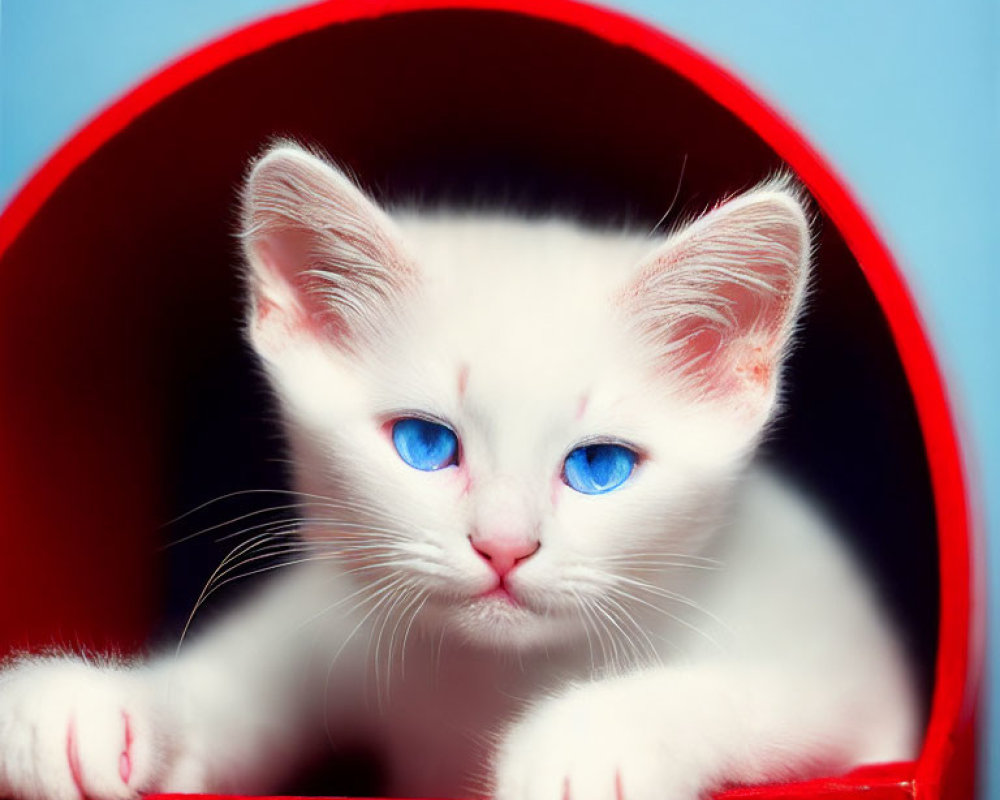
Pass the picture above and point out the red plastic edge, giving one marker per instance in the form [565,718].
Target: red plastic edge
[884,782]
[961,622]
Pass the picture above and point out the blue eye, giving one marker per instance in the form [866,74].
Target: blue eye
[598,468]
[425,445]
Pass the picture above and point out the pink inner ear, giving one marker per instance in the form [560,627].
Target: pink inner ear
[282,292]
[281,259]
[753,358]
[744,356]
[751,343]
[283,306]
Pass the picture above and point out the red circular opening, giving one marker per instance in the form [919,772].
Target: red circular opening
[118,332]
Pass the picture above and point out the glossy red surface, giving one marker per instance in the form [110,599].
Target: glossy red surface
[100,421]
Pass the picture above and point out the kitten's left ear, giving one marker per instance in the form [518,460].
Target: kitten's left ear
[323,259]
[717,303]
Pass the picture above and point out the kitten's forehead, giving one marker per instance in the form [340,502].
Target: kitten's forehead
[516,298]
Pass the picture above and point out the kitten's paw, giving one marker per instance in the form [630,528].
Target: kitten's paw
[594,743]
[69,730]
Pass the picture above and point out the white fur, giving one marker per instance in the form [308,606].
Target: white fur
[699,626]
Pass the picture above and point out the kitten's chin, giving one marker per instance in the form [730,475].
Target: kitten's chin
[494,620]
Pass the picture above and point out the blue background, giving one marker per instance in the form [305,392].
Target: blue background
[902,97]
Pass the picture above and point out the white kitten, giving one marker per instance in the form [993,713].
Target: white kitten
[539,555]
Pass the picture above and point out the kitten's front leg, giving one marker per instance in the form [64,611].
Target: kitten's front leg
[70,729]
[228,713]
[678,733]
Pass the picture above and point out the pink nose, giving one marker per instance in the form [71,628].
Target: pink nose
[502,553]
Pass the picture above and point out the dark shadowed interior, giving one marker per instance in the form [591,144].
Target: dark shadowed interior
[129,398]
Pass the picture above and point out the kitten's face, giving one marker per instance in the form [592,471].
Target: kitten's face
[515,344]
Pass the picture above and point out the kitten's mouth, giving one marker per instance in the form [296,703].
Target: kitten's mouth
[500,593]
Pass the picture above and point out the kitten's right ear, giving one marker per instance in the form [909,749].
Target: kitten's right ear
[323,260]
